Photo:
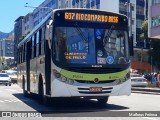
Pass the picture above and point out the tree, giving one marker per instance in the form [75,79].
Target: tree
[23,36]
[6,67]
[144,31]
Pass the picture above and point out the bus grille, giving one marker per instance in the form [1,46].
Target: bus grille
[86,91]
[92,82]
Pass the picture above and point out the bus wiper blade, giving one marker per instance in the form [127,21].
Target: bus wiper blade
[106,38]
[78,29]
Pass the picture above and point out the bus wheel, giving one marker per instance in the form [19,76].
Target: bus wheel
[23,87]
[103,100]
[42,98]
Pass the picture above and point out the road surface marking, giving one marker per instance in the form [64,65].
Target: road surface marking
[11,90]
[150,118]
[9,101]
[1,101]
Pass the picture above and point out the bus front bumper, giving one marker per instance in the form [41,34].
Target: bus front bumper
[61,89]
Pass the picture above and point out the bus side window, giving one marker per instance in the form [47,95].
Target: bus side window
[42,40]
[32,46]
[18,55]
[37,43]
[24,52]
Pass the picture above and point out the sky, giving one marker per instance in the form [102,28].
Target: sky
[10,10]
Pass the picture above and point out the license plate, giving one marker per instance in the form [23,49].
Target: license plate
[95,89]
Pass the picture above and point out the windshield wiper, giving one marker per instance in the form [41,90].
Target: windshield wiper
[78,29]
[106,38]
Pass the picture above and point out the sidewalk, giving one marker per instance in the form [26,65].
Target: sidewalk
[146,90]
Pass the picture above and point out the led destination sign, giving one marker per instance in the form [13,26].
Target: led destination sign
[91,17]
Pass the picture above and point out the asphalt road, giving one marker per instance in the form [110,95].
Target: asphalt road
[118,107]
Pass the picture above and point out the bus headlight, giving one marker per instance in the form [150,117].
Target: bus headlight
[58,75]
[71,82]
[63,79]
[116,82]
[123,79]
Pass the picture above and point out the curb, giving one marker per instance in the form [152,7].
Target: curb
[150,90]
[145,92]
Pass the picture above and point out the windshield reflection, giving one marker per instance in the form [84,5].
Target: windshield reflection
[75,45]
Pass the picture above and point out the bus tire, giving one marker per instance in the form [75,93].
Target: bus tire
[23,87]
[42,98]
[103,100]
[25,94]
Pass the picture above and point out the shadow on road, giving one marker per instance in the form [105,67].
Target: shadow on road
[75,106]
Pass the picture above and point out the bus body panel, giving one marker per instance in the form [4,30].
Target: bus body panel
[33,75]
[22,73]
[41,71]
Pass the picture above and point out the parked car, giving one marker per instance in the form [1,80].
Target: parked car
[135,75]
[12,74]
[139,82]
[5,79]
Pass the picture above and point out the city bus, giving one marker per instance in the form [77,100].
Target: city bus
[65,56]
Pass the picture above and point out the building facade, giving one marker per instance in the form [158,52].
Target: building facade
[18,32]
[6,48]
[40,13]
[24,24]
[154,19]
[27,23]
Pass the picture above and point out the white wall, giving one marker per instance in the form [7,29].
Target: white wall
[110,5]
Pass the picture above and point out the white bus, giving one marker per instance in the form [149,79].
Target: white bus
[66,55]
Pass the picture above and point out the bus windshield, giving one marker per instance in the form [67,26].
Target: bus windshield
[77,45]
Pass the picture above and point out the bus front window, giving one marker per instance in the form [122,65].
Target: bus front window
[75,45]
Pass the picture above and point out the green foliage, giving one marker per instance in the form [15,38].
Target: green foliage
[23,36]
[2,60]
[6,67]
[144,30]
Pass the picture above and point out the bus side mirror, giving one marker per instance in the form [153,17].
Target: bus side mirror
[48,32]
[131,51]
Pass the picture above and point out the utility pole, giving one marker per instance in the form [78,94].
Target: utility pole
[37,7]
[129,15]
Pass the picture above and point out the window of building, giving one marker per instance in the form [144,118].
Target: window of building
[81,4]
[122,6]
[155,21]
[66,4]
[132,7]
[140,10]
[132,22]
[98,6]
[139,23]
[155,2]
